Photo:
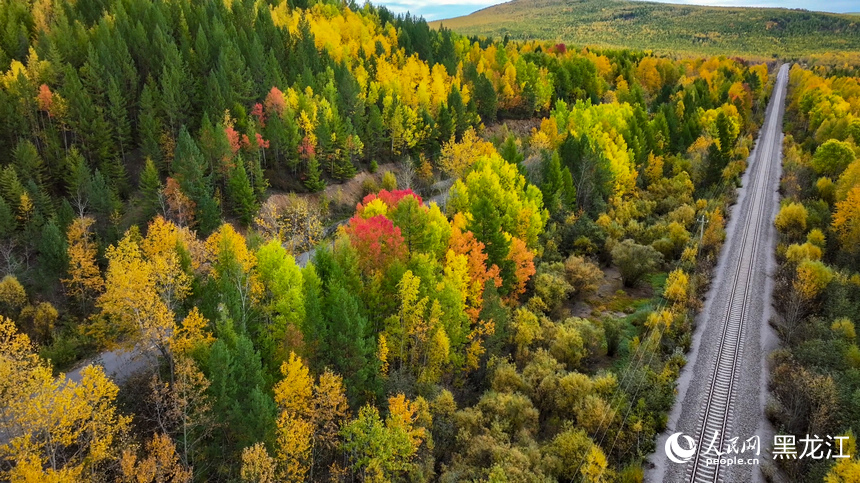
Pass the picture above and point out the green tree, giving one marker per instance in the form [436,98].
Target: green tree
[244,411]
[242,194]
[832,157]
[190,169]
[485,97]
[150,189]
[7,220]
[634,261]
[148,122]
[52,249]
[284,314]
[313,179]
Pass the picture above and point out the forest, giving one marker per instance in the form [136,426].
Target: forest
[673,28]
[815,376]
[169,164]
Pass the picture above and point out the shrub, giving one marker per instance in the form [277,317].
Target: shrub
[12,296]
[583,275]
[676,287]
[374,166]
[634,261]
[389,181]
[551,286]
[568,347]
[369,186]
[791,220]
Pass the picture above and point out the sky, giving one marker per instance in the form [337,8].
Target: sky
[441,9]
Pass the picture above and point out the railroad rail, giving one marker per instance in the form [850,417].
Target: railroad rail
[716,415]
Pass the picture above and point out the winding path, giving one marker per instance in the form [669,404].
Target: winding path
[722,389]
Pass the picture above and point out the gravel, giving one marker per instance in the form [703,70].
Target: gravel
[758,339]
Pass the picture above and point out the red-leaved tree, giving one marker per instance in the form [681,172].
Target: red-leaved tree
[377,241]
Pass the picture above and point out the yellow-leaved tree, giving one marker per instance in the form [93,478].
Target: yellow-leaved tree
[131,303]
[457,158]
[54,429]
[309,421]
[846,221]
[85,280]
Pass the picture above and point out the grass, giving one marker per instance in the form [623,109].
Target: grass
[666,28]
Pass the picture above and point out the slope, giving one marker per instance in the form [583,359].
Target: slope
[665,27]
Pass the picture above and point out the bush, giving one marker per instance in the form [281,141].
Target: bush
[67,348]
[583,275]
[12,297]
[568,347]
[389,181]
[551,286]
[634,261]
[791,220]
[369,186]
[374,166]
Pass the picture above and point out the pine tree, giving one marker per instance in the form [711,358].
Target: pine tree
[346,342]
[313,180]
[485,95]
[510,152]
[243,410]
[374,137]
[458,112]
[7,220]
[118,113]
[28,163]
[190,169]
[150,188]
[241,194]
[486,224]
[148,123]
[52,248]
[551,185]
[445,124]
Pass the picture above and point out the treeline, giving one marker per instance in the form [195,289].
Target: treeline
[814,377]
[419,343]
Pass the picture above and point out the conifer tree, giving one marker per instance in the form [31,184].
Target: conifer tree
[313,180]
[150,188]
[241,193]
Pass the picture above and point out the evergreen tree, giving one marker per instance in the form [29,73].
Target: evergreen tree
[552,183]
[150,189]
[28,163]
[346,341]
[118,113]
[486,224]
[510,152]
[7,220]
[486,99]
[52,249]
[241,194]
[190,169]
[458,112]
[149,124]
[374,137]
[313,179]
[244,412]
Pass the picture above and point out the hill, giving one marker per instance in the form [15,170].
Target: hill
[665,27]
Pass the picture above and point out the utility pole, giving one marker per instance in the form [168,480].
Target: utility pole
[702,220]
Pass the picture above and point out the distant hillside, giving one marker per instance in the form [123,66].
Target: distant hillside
[666,27]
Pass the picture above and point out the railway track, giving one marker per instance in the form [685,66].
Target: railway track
[717,412]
